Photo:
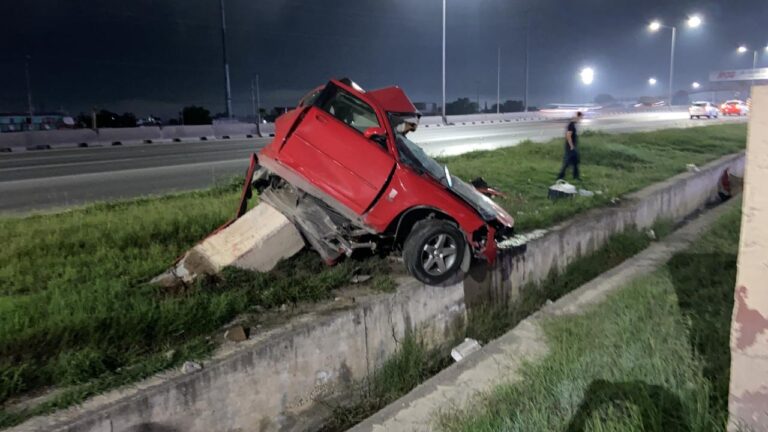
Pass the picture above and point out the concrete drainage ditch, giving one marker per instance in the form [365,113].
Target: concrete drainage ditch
[272,382]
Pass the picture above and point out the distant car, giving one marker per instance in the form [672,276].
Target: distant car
[703,109]
[734,107]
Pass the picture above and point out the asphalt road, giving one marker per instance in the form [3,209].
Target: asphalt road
[55,179]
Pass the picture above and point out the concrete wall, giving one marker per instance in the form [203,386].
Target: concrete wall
[19,141]
[271,383]
[748,396]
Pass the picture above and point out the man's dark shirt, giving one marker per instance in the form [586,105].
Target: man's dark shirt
[574,136]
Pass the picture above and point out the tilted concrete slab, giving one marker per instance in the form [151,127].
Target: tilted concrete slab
[256,241]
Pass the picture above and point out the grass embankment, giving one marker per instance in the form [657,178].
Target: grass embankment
[653,357]
[612,164]
[75,312]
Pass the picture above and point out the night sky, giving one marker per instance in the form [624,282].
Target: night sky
[155,56]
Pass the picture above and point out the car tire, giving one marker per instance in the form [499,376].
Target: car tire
[691,117]
[434,251]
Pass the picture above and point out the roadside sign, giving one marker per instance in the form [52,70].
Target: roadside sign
[739,75]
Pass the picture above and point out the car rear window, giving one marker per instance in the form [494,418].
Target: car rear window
[700,104]
[732,103]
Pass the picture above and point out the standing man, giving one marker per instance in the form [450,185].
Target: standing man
[571,156]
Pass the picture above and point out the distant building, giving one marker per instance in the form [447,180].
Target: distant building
[17,122]
[426,108]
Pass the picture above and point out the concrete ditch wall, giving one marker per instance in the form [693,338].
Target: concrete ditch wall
[673,199]
[272,382]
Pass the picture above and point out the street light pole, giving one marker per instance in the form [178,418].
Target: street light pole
[754,71]
[227,87]
[498,84]
[445,120]
[672,63]
[29,89]
[527,46]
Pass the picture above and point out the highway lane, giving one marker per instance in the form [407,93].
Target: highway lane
[55,179]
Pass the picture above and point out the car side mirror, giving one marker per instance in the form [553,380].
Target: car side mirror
[377,134]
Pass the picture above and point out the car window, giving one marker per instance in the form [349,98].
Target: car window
[351,110]
[310,98]
[700,104]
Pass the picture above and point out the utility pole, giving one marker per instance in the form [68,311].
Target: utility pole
[227,88]
[477,86]
[445,119]
[29,91]
[256,102]
[527,47]
[672,63]
[754,72]
[498,83]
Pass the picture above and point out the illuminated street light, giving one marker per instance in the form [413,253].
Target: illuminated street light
[695,85]
[656,25]
[652,81]
[587,75]
[743,49]
[694,21]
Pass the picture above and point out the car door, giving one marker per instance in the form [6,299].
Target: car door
[329,150]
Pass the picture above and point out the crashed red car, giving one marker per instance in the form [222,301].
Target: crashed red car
[342,170]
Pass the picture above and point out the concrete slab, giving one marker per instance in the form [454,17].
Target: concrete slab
[256,241]
[500,360]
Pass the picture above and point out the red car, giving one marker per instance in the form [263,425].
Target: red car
[734,107]
[342,170]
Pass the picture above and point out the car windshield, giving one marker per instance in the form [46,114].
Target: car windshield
[700,104]
[414,156]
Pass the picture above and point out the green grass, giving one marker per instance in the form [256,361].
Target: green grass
[653,357]
[613,164]
[75,311]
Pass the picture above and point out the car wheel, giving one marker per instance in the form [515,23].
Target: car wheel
[691,117]
[433,251]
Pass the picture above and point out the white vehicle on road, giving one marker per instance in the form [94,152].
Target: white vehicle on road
[703,109]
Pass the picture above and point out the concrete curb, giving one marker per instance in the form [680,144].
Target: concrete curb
[500,361]
[272,381]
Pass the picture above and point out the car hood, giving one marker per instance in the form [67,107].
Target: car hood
[486,207]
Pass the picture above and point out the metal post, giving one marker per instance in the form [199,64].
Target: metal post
[498,84]
[754,71]
[253,98]
[29,92]
[227,88]
[672,64]
[527,47]
[445,119]
[477,87]
[258,107]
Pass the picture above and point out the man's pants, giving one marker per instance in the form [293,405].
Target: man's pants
[571,158]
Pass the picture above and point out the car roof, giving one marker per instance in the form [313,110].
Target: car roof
[700,102]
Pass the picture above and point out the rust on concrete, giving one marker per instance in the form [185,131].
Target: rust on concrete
[748,398]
